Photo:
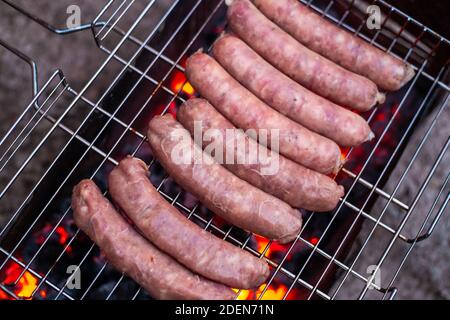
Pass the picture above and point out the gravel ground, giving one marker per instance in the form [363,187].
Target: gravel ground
[426,273]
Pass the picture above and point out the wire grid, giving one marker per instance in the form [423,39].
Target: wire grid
[79,97]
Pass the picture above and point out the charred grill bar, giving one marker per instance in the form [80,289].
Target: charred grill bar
[40,241]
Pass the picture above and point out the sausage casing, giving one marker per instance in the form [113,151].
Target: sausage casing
[308,68]
[338,45]
[296,185]
[170,231]
[247,112]
[218,189]
[159,274]
[343,126]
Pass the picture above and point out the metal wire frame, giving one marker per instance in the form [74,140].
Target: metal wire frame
[369,283]
[45,24]
[279,267]
[73,137]
[29,61]
[356,31]
[78,96]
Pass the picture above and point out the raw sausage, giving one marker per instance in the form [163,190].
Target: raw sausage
[298,186]
[247,112]
[218,189]
[159,274]
[288,97]
[170,231]
[308,68]
[344,48]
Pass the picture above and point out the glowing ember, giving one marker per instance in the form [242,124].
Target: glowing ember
[179,82]
[3,295]
[43,293]
[63,235]
[381,117]
[262,244]
[25,285]
[274,292]
[314,240]
[344,154]
[274,247]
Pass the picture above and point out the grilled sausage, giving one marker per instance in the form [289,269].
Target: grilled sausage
[301,64]
[338,45]
[159,274]
[298,186]
[288,97]
[218,189]
[246,111]
[179,237]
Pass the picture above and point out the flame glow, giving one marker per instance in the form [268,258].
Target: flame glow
[3,295]
[273,248]
[25,286]
[274,292]
[63,235]
[179,82]
[314,240]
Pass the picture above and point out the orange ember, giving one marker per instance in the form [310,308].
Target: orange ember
[3,295]
[274,292]
[179,82]
[274,247]
[344,153]
[262,244]
[25,285]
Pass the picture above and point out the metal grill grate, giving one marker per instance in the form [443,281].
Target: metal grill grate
[400,35]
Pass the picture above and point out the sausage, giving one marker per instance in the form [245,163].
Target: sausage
[218,189]
[170,231]
[247,112]
[340,46]
[296,185]
[288,97]
[159,274]
[301,64]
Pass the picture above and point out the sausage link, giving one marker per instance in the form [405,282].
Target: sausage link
[170,231]
[340,46]
[159,274]
[288,97]
[246,111]
[298,186]
[218,189]
[301,64]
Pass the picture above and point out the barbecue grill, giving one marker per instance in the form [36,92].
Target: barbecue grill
[39,243]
